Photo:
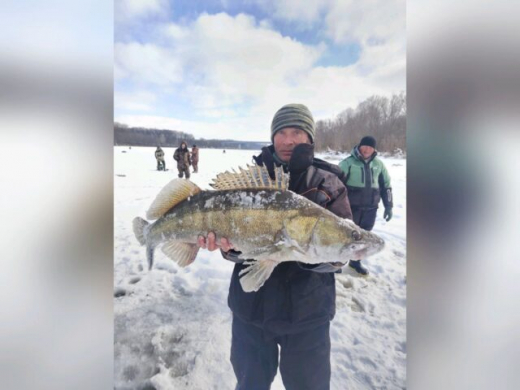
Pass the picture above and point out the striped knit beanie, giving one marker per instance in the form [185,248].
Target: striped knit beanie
[293,115]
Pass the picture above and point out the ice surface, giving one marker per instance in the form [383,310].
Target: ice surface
[173,326]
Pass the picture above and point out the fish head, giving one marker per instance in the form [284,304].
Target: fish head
[362,244]
[341,239]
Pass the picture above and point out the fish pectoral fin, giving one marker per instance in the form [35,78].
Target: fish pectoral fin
[254,276]
[181,252]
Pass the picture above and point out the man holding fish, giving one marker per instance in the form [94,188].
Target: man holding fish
[294,307]
[286,223]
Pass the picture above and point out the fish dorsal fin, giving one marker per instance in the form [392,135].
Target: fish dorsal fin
[171,195]
[253,177]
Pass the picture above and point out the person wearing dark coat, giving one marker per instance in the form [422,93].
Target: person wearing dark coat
[182,156]
[293,309]
[195,158]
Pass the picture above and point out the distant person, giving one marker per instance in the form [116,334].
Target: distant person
[367,182]
[159,156]
[224,151]
[182,156]
[195,158]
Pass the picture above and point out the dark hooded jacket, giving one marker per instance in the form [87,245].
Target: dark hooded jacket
[182,156]
[297,296]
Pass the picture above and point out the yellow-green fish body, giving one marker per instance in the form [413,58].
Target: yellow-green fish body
[267,223]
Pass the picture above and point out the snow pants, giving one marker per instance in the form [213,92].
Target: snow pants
[304,358]
[161,165]
[184,171]
[364,218]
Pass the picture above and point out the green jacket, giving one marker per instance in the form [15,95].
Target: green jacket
[367,181]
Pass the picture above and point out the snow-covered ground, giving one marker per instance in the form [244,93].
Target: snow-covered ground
[173,327]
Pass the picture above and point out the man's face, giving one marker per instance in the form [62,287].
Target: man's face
[286,139]
[366,151]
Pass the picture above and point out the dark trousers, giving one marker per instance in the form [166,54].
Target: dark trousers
[304,358]
[184,171]
[365,219]
[195,166]
[161,165]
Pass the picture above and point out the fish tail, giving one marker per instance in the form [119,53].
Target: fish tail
[139,224]
[149,256]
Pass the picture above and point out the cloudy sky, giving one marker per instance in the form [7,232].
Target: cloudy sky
[221,68]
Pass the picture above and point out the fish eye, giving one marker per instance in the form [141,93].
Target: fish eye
[356,235]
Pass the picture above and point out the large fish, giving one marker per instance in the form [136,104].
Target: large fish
[259,216]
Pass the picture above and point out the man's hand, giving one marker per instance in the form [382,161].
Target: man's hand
[388,214]
[210,243]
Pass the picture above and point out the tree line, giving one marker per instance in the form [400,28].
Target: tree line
[378,116]
[382,117]
[142,136]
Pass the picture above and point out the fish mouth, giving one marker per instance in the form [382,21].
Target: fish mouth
[355,251]
[359,255]
[361,250]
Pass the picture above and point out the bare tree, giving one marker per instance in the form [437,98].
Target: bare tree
[379,116]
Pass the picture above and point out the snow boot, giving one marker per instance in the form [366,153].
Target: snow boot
[356,266]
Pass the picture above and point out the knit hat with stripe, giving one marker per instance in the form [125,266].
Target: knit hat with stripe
[294,115]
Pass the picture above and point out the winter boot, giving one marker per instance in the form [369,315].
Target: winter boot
[356,266]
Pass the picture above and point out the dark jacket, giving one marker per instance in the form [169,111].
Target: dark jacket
[182,156]
[367,182]
[159,154]
[195,155]
[294,298]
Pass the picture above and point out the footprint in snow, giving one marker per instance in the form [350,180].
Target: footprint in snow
[134,280]
[357,306]
[345,282]
[119,292]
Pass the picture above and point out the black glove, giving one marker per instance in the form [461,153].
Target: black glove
[388,214]
[301,158]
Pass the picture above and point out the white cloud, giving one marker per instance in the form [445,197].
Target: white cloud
[379,26]
[126,10]
[136,101]
[306,13]
[325,90]
[233,60]
[147,63]
[385,64]
[361,21]
[236,72]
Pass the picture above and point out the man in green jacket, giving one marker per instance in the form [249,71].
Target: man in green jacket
[368,182]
